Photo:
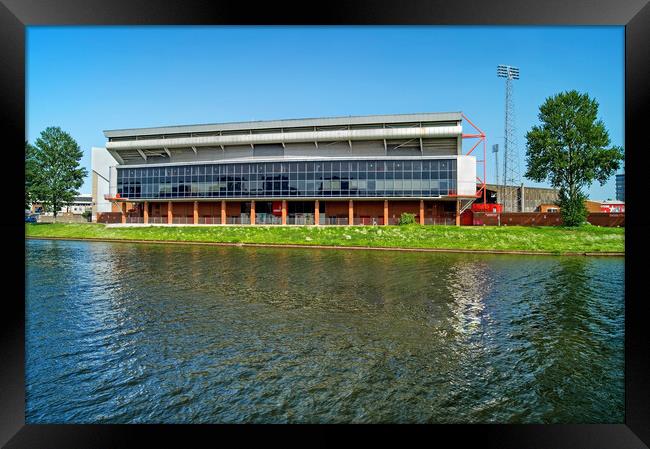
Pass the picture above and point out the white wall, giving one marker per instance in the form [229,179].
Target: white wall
[101,161]
[466,175]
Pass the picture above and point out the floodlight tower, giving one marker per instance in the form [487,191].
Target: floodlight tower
[511,174]
[495,150]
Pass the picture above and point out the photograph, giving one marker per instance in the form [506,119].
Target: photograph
[325,224]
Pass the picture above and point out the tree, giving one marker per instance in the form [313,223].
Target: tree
[30,171]
[571,149]
[57,174]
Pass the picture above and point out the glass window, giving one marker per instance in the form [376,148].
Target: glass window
[339,178]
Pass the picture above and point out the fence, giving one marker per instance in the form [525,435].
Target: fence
[267,219]
[242,219]
[444,220]
[372,221]
[300,219]
[209,220]
[109,217]
[325,220]
[62,219]
[183,220]
[478,219]
[543,219]
[607,219]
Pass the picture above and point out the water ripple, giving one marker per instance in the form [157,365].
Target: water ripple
[169,334]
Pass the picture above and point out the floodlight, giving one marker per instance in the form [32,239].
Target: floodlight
[506,71]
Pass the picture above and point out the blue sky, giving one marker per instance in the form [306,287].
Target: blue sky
[89,79]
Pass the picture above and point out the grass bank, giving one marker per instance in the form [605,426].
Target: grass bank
[590,239]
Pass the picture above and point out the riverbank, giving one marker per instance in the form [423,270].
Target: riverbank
[511,239]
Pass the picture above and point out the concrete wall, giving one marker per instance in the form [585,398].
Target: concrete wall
[100,161]
[533,197]
[64,218]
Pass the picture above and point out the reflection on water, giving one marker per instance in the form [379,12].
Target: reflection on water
[163,333]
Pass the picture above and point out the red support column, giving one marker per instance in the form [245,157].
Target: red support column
[170,213]
[316,213]
[385,212]
[457,212]
[123,205]
[196,212]
[146,212]
[223,212]
[351,213]
[421,212]
[284,212]
[252,212]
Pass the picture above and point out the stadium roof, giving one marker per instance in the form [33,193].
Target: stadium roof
[289,123]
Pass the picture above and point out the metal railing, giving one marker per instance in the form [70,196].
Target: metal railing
[182,220]
[209,220]
[300,219]
[369,221]
[267,219]
[446,220]
[242,219]
[325,220]
[306,219]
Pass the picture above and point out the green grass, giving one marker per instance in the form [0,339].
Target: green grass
[553,239]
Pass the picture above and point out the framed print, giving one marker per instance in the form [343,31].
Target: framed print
[408,215]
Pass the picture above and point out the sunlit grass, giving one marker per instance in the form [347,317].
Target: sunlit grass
[550,238]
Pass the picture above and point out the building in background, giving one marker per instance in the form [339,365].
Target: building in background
[593,206]
[609,206]
[612,207]
[337,170]
[548,208]
[620,187]
[78,206]
[529,199]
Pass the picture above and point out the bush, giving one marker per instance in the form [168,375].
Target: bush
[573,210]
[406,219]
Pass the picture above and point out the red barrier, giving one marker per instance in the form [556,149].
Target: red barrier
[109,217]
[543,219]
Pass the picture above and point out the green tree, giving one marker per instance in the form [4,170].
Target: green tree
[570,149]
[30,172]
[57,174]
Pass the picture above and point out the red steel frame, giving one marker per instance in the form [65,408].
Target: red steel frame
[482,191]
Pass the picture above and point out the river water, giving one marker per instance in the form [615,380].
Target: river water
[135,333]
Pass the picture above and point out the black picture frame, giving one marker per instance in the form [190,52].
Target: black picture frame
[15,15]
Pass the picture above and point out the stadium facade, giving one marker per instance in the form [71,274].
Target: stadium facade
[335,170]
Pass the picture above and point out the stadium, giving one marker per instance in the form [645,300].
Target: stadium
[318,171]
